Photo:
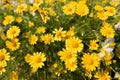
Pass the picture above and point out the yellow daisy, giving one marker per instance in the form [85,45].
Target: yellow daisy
[110,10]
[69,8]
[21,8]
[13,32]
[107,31]
[37,60]
[66,55]
[47,38]
[33,39]
[102,75]
[82,9]
[8,20]
[13,75]
[4,56]
[72,66]
[74,44]
[19,19]
[90,61]
[13,44]
[2,68]
[40,30]
[93,45]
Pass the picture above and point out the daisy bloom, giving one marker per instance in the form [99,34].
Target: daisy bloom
[40,30]
[13,75]
[59,34]
[13,44]
[37,60]
[33,39]
[82,9]
[8,20]
[19,19]
[74,44]
[72,66]
[107,31]
[2,68]
[4,56]
[21,8]
[13,32]
[102,75]
[90,61]
[47,38]
[66,55]
[93,45]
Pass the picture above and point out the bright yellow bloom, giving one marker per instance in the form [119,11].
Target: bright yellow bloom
[8,20]
[19,19]
[52,12]
[102,75]
[110,11]
[27,58]
[72,66]
[82,9]
[3,36]
[40,30]
[74,44]
[47,38]
[93,45]
[98,8]
[67,56]
[13,32]
[38,2]
[69,8]
[33,39]
[13,44]
[2,68]
[90,61]
[69,33]
[59,34]
[102,15]
[107,31]
[114,3]
[13,75]
[4,56]
[31,24]
[37,60]
[34,8]
[21,8]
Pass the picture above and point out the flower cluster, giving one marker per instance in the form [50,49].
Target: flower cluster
[59,39]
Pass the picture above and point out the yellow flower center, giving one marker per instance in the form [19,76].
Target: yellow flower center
[75,45]
[37,60]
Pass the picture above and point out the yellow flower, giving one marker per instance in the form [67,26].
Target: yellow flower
[40,30]
[102,15]
[102,75]
[59,34]
[47,38]
[3,36]
[19,19]
[21,8]
[31,24]
[52,12]
[82,9]
[72,66]
[98,8]
[67,56]
[69,8]
[37,60]
[8,20]
[114,3]
[90,61]
[27,58]
[2,68]
[38,2]
[13,32]
[110,11]
[13,44]
[93,45]
[74,44]
[33,39]
[13,75]
[4,56]
[107,31]
[34,8]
